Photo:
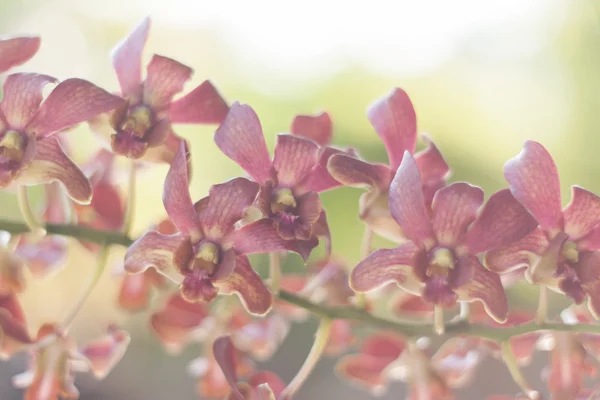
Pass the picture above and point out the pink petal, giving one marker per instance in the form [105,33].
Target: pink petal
[454,207]
[517,255]
[165,78]
[127,58]
[407,204]
[51,164]
[351,171]
[266,378]
[176,196]
[106,352]
[384,266]
[22,98]
[227,204]
[203,105]
[250,288]
[457,359]
[533,180]
[317,128]
[166,253]
[16,51]
[406,305]
[319,179]
[294,158]
[224,354]
[13,331]
[485,286]
[503,220]
[240,137]
[43,257]
[12,279]
[431,163]
[71,102]
[395,121]
[135,290]
[261,237]
[582,214]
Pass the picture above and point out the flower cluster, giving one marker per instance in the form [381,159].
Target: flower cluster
[453,248]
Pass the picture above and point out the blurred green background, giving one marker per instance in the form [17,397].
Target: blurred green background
[483,76]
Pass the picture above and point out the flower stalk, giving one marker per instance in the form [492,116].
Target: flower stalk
[131,197]
[275,272]
[542,309]
[515,371]
[29,217]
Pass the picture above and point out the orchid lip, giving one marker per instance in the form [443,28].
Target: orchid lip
[139,121]
[283,199]
[12,146]
[569,251]
[207,257]
[441,262]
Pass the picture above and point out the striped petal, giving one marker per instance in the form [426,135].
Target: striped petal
[518,254]
[22,98]
[351,171]
[165,78]
[203,105]
[582,214]
[16,51]
[294,158]
[317,128]
[127,58]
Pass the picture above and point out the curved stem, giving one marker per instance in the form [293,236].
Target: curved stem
[542,310]
[438,320]
[365,250]
[316,351]
[28,215]
[465,311]
[515,371]
[131,197]
[100,266]
[498,334]
[275,272]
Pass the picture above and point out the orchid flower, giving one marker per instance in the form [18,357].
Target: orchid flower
[288,197]
[14,335]
[29,155]
[440,262]
[204,256]
[562,253]
[395,121]
[17,50]
[53,364]
[142,126]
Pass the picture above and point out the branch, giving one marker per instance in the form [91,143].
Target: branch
[348,313]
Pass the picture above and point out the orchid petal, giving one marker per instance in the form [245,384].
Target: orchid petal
[261,237]
[127,58]
[12,279]
[176,196]
[294,158]
[502,221]
[240,137]
[250,288]
[351,171]
[407,305]
[71,102]
[106,352]
[13,331]
[16,51]
[224,353]
[317,128]
[51,164]
[454,207]
[203,105]
[44,256]
[486,287]
[165,78]
[227,204]
[518,254]
[431,163]
[457,359]
[22,98]
[384,266]
[319,178]
[407,204]
[533,179]
[582,214]
[167,253]
[134,293]
[176,320]
[395,121]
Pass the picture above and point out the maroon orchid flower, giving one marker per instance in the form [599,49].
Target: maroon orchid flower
[29,155]
[53,364]
[261,386]
[142,126]
[289,184]
[17,50]
[395,121]
[14,335]
[204,256]
[561,254]
[440,262]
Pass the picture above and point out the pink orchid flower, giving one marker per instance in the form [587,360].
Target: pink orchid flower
[142,126]
[289,184]
[440,262]
[53,365]
[395,121]
[261,386]
[14,335]
[12,279]
[17,50]
[29,155]
[207,256]
[562,252]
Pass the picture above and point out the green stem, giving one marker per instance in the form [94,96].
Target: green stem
[131,198]
[542,310]
[498,334]
[31,221]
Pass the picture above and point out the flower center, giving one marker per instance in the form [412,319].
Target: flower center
[138,122]
[283,200]
[207,257]
[569,251]
[12,146]
[442,261]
